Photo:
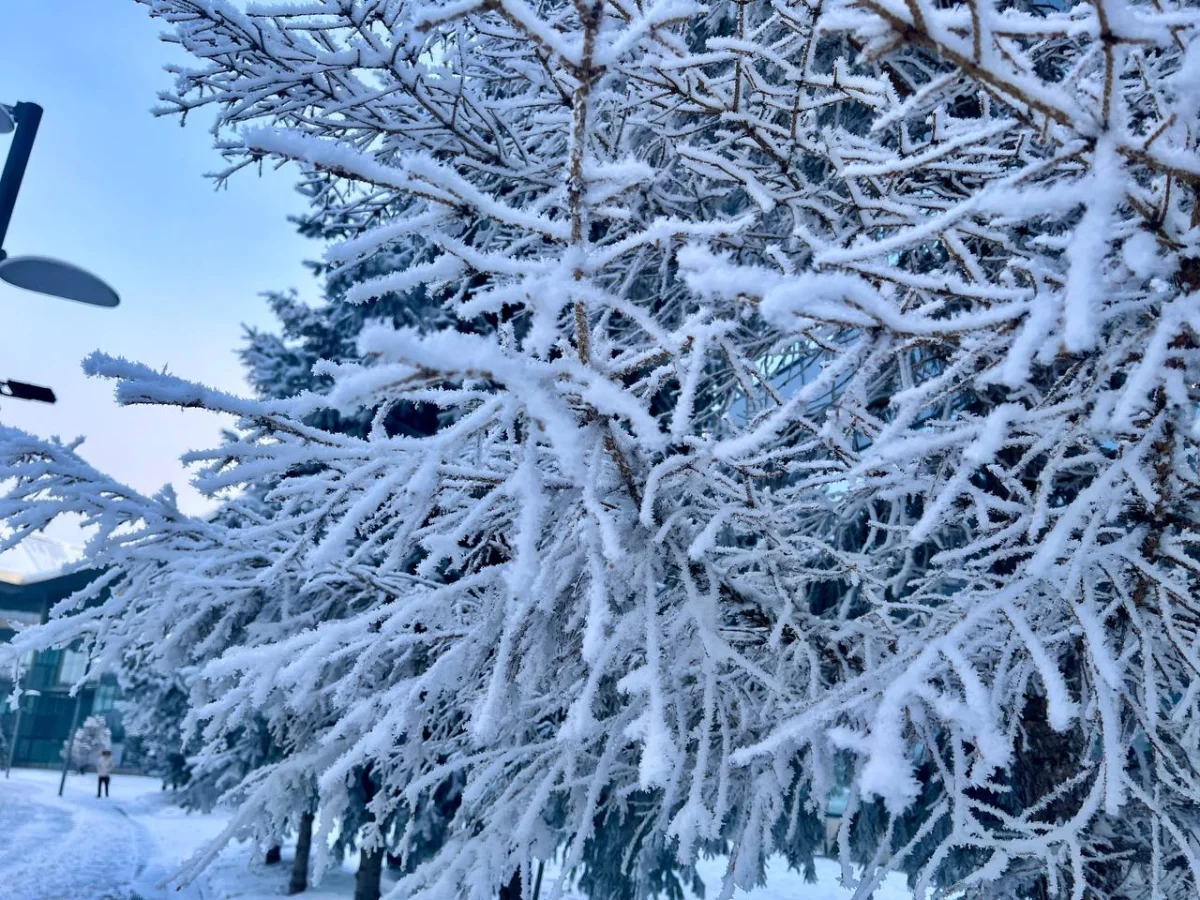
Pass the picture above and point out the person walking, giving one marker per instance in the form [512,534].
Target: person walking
[104,770]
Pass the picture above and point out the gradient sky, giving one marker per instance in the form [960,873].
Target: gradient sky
[122,193]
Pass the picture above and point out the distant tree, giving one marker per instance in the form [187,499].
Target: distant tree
[90,738]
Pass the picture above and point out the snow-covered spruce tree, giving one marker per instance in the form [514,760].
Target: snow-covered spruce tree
[211,765]
[153,709]
[156,713]
[281,365]
[839,405]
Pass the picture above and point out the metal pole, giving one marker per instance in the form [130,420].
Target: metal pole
[74,725]
[27,117]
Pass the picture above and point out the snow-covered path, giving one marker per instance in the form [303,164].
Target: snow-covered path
[78,847]
[67,848]
[123,848]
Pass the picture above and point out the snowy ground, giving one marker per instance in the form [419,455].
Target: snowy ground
[79,848]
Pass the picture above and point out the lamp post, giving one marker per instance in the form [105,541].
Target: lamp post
[74,726]
[36,273]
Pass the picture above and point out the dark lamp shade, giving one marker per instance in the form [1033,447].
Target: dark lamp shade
[59,279]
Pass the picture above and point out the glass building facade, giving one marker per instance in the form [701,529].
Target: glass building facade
[35,736]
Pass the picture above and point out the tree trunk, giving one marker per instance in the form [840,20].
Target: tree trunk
[512,890]
[370,862]
[1045,760]
[370,870]
[299,882]
[274,854]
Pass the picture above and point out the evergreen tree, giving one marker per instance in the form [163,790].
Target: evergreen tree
[153,709]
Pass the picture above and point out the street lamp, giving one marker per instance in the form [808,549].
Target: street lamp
[38,273]
[19,390]
[62,782]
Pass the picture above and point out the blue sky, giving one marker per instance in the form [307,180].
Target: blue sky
[118,191]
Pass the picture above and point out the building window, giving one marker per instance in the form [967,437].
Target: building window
[44,672]
[106,698]
[72,668]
